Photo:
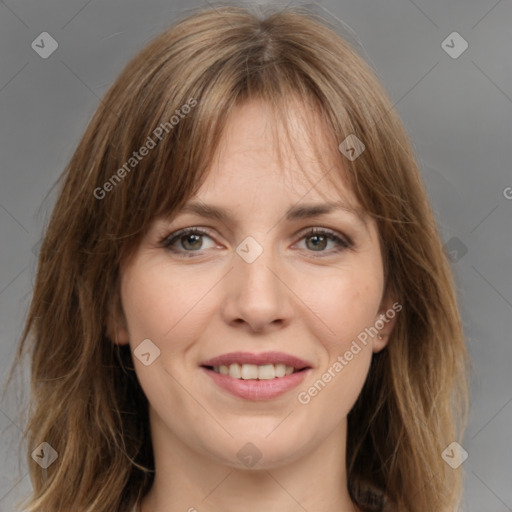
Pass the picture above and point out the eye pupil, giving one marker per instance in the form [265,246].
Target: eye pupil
[187,238]
[317,237]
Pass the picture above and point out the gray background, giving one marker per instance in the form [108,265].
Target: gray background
[458,113]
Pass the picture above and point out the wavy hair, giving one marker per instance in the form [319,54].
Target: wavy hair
[86,401]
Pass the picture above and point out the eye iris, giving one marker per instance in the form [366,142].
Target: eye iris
[317,237]
[192,241]
[186,238]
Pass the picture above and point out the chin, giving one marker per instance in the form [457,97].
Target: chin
[252,450]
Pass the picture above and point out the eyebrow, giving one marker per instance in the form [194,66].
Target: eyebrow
[295,212]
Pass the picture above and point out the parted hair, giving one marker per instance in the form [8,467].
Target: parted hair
[86,401]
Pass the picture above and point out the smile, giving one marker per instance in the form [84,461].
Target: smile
[253,371]
[256,376]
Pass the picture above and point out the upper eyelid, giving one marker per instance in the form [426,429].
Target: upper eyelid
[208,231]
[311,230]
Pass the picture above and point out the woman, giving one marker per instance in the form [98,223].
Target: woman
[242,299]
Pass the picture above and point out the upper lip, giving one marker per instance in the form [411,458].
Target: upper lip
[257,359]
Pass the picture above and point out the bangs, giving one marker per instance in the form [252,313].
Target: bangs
[184,130]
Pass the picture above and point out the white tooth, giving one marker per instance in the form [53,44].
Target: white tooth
[216,369]
[235,371]
[249,371]
[253,371]
[266,372]
[280,370]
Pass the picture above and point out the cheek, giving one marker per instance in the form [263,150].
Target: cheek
[345,303]
[158,302]
[160,305]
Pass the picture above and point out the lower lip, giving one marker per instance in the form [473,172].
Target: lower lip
[253,389]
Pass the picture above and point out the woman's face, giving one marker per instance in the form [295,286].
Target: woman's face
[229,308]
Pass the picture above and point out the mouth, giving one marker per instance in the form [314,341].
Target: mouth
[248,371]
[256,376]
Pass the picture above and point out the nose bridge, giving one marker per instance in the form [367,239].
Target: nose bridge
[257,295]
[254,260]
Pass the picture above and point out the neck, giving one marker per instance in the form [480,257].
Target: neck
[188,480]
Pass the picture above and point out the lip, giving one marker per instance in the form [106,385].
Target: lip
[254,389]
[257,389]
[258,359]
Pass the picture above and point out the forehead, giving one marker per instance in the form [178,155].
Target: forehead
[264,149]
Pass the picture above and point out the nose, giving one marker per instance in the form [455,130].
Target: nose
[257,294]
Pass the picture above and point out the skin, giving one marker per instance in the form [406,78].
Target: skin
[286,300]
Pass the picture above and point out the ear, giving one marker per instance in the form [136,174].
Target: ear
[116,328]
[385,322]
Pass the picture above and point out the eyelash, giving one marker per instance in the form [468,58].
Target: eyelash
[167,241]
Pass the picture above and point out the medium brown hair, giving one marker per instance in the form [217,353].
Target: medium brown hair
[86,400]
